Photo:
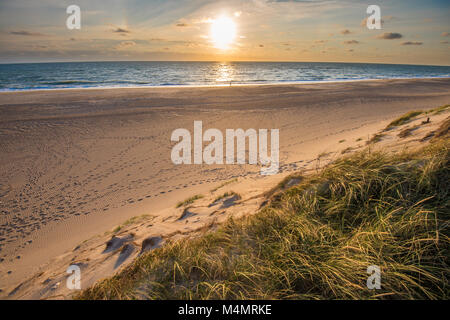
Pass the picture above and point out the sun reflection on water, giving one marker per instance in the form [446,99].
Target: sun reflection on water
[224,72]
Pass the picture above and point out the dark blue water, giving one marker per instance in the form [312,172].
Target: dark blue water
[33,76]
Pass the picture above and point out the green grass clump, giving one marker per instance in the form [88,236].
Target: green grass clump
[226,195]
[404,119]
[131,221]
[317,239]
[224,184]
[189,200]
[439,110]
[376,138]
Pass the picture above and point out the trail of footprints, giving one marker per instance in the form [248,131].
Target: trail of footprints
[43,198]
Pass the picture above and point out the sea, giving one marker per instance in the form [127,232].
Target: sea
[38,76]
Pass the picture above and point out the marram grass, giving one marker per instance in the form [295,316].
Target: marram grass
[316,240]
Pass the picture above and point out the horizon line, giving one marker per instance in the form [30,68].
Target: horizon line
[222,61]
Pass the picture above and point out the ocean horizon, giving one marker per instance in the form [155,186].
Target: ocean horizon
[126,74]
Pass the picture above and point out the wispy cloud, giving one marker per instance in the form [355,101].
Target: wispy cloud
[390,36]
[351,42]
[125,45]
[121,30]
[26,33]
[412,43]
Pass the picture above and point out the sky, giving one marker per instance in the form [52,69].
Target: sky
[413,31]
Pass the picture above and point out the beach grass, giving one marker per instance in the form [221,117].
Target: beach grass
[226,195]
[404,119]
[376,138]
[224,184]
[438,110]
[131,221]
[189,200]
[315,240]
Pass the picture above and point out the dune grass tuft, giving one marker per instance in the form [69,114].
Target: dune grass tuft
[317,239]
[376,138]
[189,200]
[131,221]
[226,195]
[224,184]
[404,119]
[439,110]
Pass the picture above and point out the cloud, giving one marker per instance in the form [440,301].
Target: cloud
[181,24]
[346,31]
[390,36]
[125,44]
[412,43]
[121,30]
[26,33]
[445,34]
[351,42]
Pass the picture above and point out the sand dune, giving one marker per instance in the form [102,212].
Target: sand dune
[76,164]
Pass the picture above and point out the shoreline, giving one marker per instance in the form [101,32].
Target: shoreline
[194,86]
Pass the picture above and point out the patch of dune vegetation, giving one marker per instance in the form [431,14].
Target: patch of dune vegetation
[131,221]
[316,239]
[376,138]
[439,109]
[224,184]
[226,195]
[404,119]
[189,200]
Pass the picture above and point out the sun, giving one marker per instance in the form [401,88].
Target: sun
[223,32]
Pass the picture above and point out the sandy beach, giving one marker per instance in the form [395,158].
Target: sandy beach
[75,164]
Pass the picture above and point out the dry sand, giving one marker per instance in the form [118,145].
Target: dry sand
[75,164]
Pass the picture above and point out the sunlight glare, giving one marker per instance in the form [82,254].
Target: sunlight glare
[223,32]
